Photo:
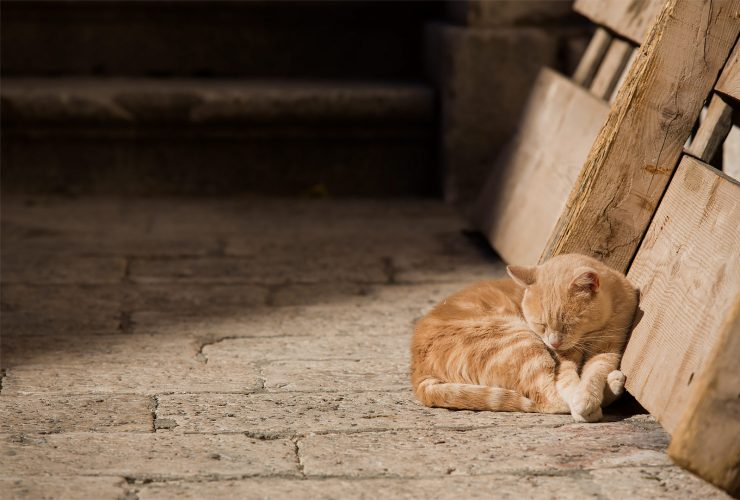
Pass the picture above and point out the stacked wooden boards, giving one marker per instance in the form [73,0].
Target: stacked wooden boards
[684,354]
[638,148]
[682,249]
[529,186]
[683,359]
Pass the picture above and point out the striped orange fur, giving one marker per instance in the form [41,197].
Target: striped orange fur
[547,340]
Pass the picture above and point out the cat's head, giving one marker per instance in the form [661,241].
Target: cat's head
[565,298]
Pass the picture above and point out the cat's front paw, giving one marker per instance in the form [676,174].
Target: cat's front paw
[585,408]
[615,380]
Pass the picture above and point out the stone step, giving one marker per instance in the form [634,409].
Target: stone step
[202,102]
[146,136]
[286,39]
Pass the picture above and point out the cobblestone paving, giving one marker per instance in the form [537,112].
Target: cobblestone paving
[258,349]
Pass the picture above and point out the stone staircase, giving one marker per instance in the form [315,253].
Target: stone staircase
[211,97]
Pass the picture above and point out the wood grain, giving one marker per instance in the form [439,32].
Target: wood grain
[688,270]
[530,182]
[729,80]
[631,161]
[707,439]
[611,68]
[731,153]
[592,57]
[630,18]
[713,130]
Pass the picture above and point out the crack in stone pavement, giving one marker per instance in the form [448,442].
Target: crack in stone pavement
[143,479]
[298,456]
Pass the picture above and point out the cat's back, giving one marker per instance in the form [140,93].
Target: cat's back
[501,297]
[468,320]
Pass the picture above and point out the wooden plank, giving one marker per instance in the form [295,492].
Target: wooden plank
[592,57]
[611,69]
[688,270]
[729,81]
[630,18]
[529,184]
[713,130]
[707,439]
[731,153]
[637,150]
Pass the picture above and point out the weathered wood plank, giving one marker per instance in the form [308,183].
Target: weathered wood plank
[688,269]
[528,186]
[731,153]
[712,131]
[629,18]
[729,80]
[631,161]
[707,439]
[611,68]
[592,57]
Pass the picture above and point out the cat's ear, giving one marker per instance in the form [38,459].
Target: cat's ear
[586,280]
[522,275]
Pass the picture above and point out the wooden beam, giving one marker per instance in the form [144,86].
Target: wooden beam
[729,81]
[707,439]
[611,68]
[592,57]
[632,159]
[630,19]
[688,270]
[530,182]
[712,131]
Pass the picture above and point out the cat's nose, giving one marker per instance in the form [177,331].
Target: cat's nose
[555,343]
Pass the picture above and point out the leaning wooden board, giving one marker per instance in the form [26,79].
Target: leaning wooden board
[729,80]
[688,270]
[630,18]
[530,182]
[635,154]
[707,439]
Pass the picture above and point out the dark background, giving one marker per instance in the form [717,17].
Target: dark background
[306,98]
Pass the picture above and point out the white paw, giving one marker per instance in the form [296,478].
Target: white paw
[594,416]
[615,381]
[585,408]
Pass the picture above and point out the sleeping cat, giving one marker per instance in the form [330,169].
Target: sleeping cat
[548,340]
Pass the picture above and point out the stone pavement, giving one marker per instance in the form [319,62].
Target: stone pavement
[162,348]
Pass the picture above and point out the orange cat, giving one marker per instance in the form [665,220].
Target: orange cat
[548,340]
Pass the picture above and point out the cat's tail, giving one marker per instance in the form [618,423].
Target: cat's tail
[434,392]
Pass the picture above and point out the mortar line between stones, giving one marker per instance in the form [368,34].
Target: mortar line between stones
[298,456]
[128,493]
[207,478]
[290,434]
[249,392]
[155,408]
